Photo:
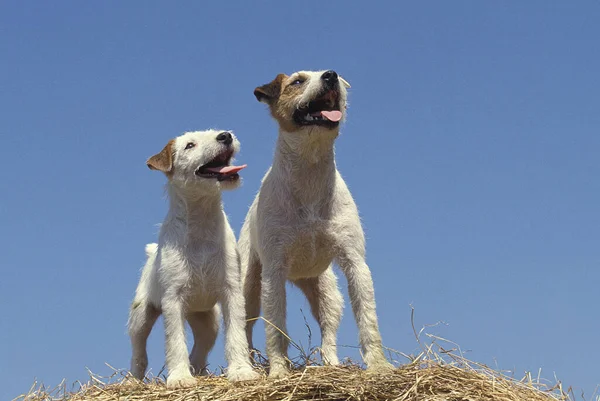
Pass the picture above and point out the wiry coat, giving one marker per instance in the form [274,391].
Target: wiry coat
[303,219]
[193,268]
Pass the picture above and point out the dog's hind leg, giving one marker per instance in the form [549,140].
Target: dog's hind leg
[252,287]
[326,304]
[250,269]
[205,327]
[142,317]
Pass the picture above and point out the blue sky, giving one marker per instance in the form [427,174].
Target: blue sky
[471,148]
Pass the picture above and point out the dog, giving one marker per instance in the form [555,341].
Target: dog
[302,219]
[195,266]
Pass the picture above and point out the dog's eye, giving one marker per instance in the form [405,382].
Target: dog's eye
[190,145]
[299,81]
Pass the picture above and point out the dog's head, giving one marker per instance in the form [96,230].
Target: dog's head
[315,99]
[200,159]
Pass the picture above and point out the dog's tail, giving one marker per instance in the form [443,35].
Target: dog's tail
[144,286]
[151,249]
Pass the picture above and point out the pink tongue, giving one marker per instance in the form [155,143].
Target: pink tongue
[226,169]
[332,115]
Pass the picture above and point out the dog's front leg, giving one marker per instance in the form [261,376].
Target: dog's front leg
[177,354]
[274,305]
[362,297]
[236,344]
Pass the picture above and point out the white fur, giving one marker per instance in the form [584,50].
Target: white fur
[193,268]
[303,219]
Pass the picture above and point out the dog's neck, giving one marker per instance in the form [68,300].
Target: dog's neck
[314,146]
[199,213]
[307,159]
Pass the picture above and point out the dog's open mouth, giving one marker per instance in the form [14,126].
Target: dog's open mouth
[219,168]
[324,110]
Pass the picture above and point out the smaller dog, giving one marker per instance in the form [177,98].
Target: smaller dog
[195,265]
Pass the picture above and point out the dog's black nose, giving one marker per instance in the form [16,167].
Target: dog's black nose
[225,137]
[330,77]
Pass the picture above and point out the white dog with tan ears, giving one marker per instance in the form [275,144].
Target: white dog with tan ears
[303,219]
[195,265]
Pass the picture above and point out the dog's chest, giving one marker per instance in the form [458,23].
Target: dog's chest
[311,251]
[206,262]
[205,266]
[204,284]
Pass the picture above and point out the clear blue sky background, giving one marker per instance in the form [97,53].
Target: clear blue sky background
[471,148]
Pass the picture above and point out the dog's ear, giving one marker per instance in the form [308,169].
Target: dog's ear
[345,83]
[162,161]
[268,92]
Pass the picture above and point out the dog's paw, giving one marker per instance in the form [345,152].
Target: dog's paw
[132,382]
[238,374]
[380,366]
[176,380]
[330,360]
[278,372]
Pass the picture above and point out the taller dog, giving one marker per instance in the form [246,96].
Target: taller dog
[303,219]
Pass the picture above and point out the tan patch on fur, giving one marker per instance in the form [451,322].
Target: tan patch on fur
[270,92]
[163,161]
[280,96]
